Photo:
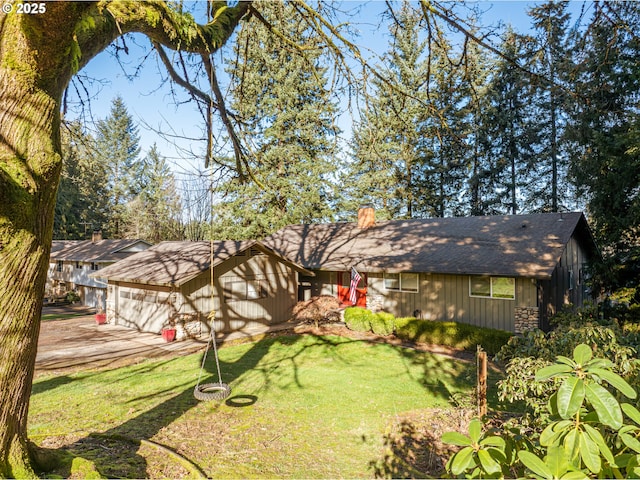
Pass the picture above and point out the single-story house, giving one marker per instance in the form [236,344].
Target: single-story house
[508,272]
[72,262]
[172,284]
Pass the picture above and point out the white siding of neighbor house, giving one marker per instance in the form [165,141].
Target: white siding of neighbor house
[88,288]
[131,305]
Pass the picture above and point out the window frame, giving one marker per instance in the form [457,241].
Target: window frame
[401,288]
[491,295]
[254,289]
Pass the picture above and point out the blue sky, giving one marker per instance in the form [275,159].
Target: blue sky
[151,104]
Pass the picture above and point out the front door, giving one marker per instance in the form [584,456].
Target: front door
[344,283]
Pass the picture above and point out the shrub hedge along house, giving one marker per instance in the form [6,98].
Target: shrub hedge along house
[507,272]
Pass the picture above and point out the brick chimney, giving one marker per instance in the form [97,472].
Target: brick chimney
[366,216]
[96,236]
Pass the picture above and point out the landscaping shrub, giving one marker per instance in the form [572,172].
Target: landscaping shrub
[358,319]
[452,334]
[72,297]
[383,323]
[534,349]
[590,431]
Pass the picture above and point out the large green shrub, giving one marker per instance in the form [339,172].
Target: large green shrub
[383,323]
[589,433]
[535,349]
[358,319]
[453,334]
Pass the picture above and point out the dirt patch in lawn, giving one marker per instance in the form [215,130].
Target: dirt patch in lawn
[412,445]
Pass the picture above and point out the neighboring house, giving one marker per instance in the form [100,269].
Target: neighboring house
[170,285]
[72,262]
[506,272]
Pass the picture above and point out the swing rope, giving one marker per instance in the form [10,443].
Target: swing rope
[211,391]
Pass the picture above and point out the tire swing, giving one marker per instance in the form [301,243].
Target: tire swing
[211,391]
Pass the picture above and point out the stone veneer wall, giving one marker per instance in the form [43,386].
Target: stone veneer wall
[526,318]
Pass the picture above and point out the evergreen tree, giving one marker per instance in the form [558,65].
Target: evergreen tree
[118,150]
[604,131]
[508,134]
[551,60]
[80,202]
[442,148]
[478,190]
[385,170]
[154,214]
[286,111]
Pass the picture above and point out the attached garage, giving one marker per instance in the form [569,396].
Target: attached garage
[170,285]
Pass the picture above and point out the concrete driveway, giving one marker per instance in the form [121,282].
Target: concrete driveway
[79,343]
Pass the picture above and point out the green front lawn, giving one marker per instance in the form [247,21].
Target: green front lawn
[301,406]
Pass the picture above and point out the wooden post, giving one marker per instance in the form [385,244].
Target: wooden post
[481,359]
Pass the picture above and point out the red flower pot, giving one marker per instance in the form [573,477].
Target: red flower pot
[169,334]
[101,318]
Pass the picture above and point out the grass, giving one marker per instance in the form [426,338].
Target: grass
[301,406]
[60,316]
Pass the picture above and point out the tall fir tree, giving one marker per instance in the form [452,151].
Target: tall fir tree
[477,192]
[443,151]
[604,133]
[289,116]
[385,170]
[81,204]
[117,147]
[508,133]
[550,58]
[154,214]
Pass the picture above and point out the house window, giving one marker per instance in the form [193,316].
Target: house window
[492,287]
[235,290]
[95,266]
[401,282]
[78,264]
[59,265]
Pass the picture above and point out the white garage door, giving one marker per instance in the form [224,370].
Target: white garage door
[145,310]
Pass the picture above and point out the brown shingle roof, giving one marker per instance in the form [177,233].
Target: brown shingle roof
[110,250]
[175,263]
[510,245]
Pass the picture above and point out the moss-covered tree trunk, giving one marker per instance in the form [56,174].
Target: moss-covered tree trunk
[39,53]
[33,75]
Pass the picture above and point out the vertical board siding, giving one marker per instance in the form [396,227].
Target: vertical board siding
[281,296]
[558,292]
[446,298]
[194,297]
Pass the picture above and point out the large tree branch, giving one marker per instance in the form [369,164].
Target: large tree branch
[106,20]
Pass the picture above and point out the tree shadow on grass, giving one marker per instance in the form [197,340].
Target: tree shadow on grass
[412,446]
[50,384]
[115,453]
[274,362]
